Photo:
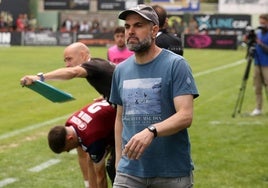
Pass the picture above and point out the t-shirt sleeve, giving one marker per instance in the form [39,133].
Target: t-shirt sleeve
[184,83]
[115,96]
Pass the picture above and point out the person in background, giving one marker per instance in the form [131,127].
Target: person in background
[164,39]
[84,26]
[98,72]
[20,23]
[260,77]
[118,52]
[3,24]
[192,28]
[32,23]
[67,25]
[154,92]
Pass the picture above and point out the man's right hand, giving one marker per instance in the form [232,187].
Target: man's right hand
[28,80]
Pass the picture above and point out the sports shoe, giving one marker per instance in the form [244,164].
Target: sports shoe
[256,112]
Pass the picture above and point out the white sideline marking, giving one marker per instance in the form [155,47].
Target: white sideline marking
[35,126]
[219,68]
[7,181]
[44,165]
[31,127]
[239,123]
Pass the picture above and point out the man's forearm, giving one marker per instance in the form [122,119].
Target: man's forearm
[61,74]
[264,47]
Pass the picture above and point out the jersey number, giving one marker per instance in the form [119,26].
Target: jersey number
[93,108]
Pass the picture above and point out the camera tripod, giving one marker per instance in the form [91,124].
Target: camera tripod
[240,99]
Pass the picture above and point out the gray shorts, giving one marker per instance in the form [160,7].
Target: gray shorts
[127,181]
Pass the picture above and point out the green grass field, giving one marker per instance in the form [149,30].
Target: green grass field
[227,152]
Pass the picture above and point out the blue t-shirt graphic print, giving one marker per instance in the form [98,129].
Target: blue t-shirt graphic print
[142,96]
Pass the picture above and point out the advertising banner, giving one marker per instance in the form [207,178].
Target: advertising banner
[16,38]
[104,39]
[47,38]
[40,39]
[179,5]
[211,41]
[117,4]
[54,38]
[95,39]
[65,39]
[66,4]
[243,6]
[224,22]
[10,38]
[5,39]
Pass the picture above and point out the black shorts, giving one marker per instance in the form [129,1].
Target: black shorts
[97,150]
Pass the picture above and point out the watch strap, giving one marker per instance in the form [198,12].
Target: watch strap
[152,129]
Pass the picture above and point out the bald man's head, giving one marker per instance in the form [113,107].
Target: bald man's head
[76,54]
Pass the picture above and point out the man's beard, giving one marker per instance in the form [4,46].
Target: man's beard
[141,46]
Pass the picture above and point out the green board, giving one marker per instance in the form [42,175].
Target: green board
[51,93]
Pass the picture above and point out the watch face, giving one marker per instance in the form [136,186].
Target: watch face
[152,128]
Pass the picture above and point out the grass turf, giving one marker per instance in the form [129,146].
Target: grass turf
[227,152]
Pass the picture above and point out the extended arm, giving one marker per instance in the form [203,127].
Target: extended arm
[58,74]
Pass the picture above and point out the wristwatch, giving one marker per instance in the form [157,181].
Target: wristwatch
[41,76]
[152,129]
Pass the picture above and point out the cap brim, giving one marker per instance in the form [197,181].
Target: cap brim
[125,13]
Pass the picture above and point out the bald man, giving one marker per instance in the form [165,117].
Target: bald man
[79,63]
[98,73]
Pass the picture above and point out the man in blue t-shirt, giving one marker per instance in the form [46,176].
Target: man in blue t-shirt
[154,92]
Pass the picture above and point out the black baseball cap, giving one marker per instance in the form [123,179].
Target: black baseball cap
[144,11]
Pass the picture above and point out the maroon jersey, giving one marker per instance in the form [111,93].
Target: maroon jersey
[94,126]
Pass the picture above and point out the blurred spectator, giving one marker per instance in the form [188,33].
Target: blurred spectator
[95,26]
[75,26]
[3,24]
[203,31]
[218,31]
[67,25]
[84,27]
[192,27]
[181,28]
[9,20]
[177,26]
[6,21]
[25,21]
[32,23]
[20,23]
